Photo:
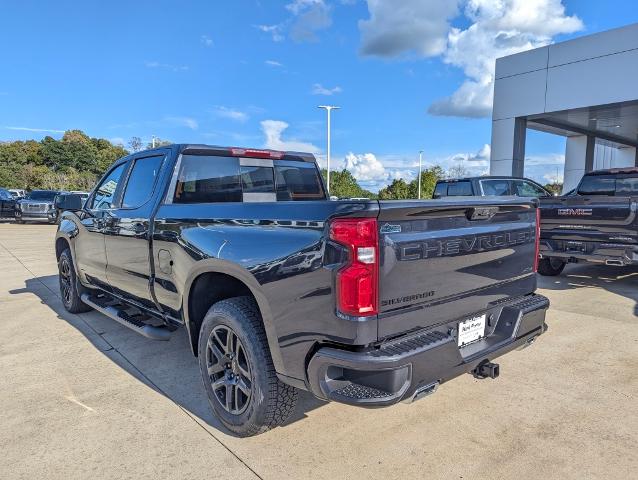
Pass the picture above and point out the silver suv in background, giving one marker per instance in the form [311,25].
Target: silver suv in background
[489,186]
[38,205]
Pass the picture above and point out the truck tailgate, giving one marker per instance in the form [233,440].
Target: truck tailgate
[588,218]
[445,259]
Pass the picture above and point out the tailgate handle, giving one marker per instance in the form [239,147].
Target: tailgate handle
[481,213]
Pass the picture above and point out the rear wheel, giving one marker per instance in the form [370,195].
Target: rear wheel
[237,370]
[550,267]
[70,289]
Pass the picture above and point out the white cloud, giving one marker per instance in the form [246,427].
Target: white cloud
[273,30]
[482,157]
[416,26]
[273,63]
[297,6]
[495,28]
[187,122]
[307,17]
[167,66]
[498,29]
[310,16]
[37,130]
[273,131]
[230,113]
[206,41]
[555,177]
[365,167]
[318,89]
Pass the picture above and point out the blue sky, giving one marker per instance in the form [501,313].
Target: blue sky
[252,72]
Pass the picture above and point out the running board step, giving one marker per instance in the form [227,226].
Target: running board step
[121,317]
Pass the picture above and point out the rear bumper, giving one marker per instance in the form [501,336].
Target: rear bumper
[409,365]
[596,252]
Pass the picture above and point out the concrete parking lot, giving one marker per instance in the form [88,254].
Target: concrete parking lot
[82,397]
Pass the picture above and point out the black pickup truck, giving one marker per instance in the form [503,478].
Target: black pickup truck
[363,302]
[596,222]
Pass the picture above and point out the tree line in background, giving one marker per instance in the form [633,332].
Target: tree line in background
[76,161]
[344,185]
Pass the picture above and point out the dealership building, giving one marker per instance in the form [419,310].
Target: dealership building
[584,89]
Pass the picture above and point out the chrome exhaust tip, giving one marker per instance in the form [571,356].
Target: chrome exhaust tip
[424,391]
[615,263]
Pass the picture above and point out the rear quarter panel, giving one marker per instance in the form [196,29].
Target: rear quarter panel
[277,248]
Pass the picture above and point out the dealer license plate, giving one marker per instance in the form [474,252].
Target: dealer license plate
[471,330]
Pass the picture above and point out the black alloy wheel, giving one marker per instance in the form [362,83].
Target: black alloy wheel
[66,289]
[228,370]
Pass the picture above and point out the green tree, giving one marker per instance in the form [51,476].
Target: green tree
[429,177]
[397,190]
[344,185]
[555,188]
[71,163]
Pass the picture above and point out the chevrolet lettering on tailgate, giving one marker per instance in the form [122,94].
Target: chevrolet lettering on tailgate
[462,245]
[575,212]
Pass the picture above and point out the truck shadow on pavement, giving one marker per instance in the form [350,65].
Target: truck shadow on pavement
[167,367]
[621,281]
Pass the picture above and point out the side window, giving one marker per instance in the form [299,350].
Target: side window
[627,186]
[597,185]
[440,190]
[141,181]
[208,179]
[495,187]
[523,188]
[455,189]
[103,196]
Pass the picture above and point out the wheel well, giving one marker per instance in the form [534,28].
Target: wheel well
[207,289]
[60,245]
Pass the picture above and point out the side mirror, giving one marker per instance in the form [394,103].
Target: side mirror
[70,202]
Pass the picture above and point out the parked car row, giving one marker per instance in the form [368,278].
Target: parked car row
[37,205]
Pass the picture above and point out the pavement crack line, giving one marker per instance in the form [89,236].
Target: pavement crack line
[133,366]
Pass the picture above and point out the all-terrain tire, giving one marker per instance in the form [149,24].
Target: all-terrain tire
[70,288]
[550,267]
[269,401]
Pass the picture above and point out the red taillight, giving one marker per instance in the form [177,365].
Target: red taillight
[538,238]
[357,282]
[254,153]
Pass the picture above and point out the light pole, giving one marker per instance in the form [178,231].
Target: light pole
[328,109]
[420,161]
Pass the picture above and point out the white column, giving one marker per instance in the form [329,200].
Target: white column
[508,147]
[575,153]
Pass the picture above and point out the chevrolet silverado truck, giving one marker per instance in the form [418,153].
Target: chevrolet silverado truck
[363,302]
[595,223]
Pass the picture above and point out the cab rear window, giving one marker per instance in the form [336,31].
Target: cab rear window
[210,179]
[621,185]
